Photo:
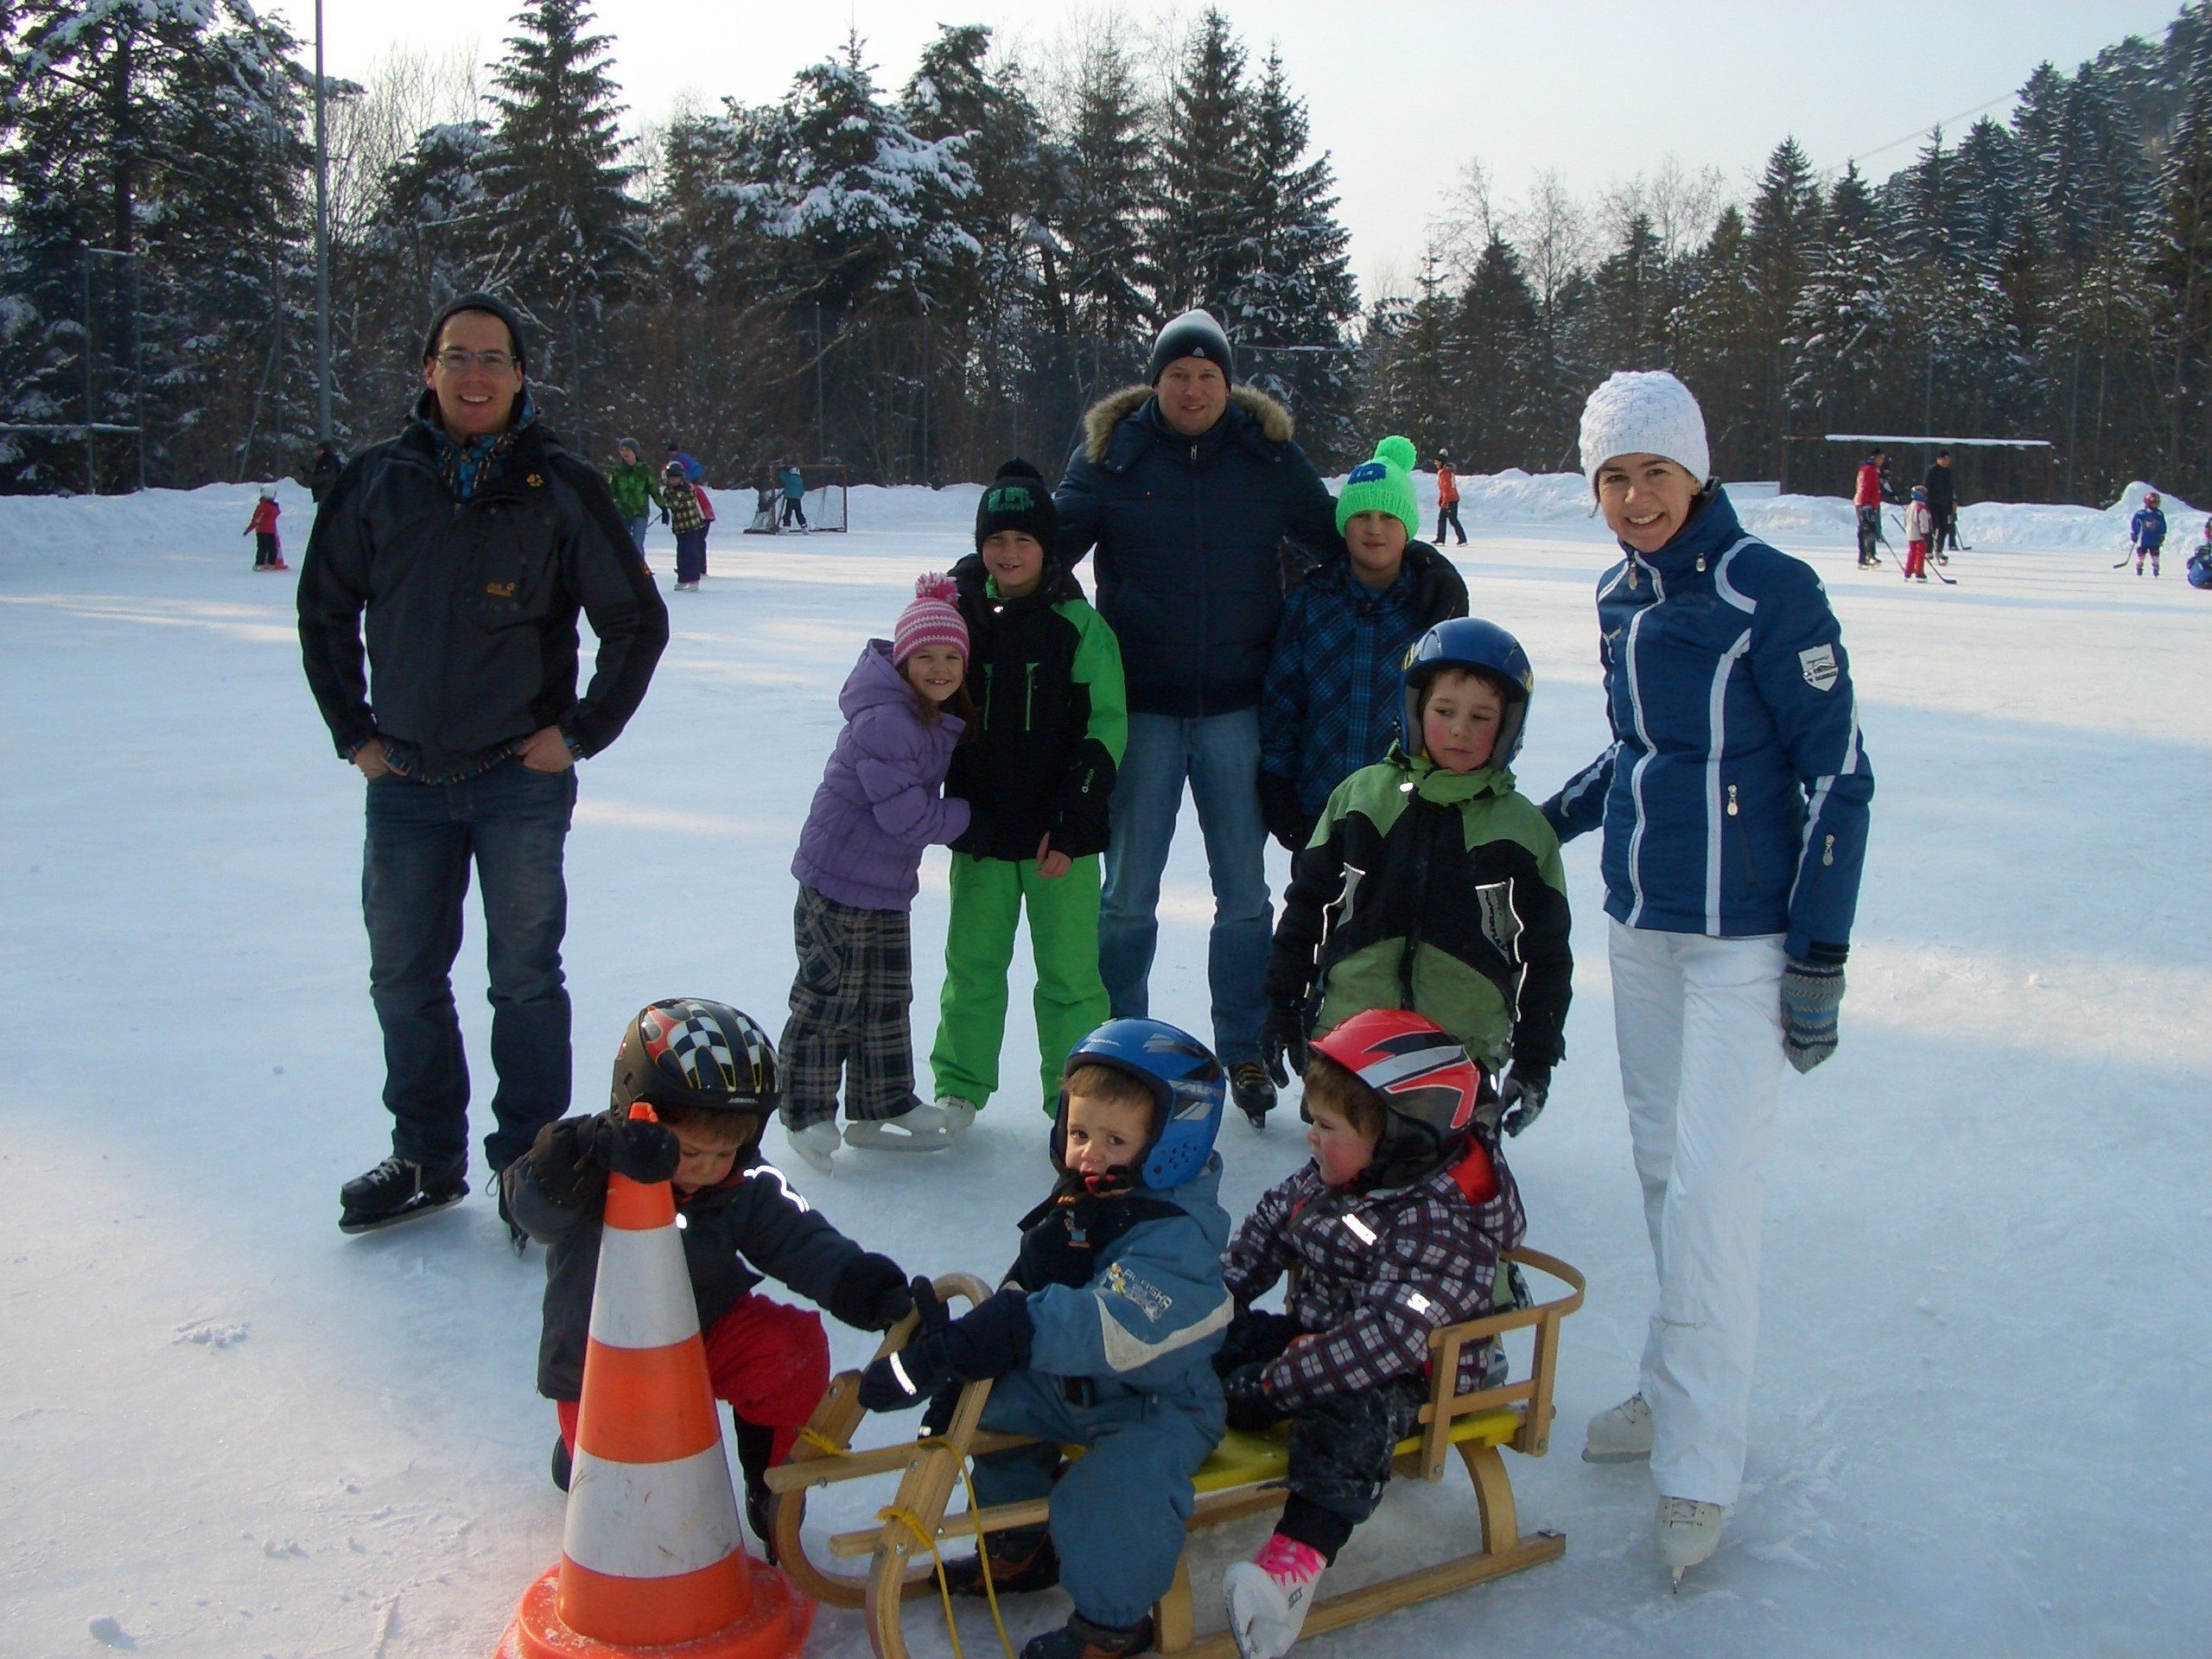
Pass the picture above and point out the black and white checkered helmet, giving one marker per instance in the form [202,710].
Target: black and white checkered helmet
[685,1051]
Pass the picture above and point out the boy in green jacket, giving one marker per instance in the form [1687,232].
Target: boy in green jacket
[636,492]
[1037,770]
[1432,883]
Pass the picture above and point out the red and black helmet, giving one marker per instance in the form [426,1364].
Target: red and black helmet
[1423,1073]
[685,1051]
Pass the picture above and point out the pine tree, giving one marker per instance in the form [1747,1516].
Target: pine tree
[1842,328]
[1293,302]
[1196,251]
[1492,364]
[2183,260]
[169,132]
[1094,256]
[566,228]
[1783,223]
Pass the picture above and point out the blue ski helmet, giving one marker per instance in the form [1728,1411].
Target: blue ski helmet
[1187,1091]
[1469,642]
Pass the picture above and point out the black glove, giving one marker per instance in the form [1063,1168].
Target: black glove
[1282,1039]
[562,1164]
[986,1342]
[664,515]
[636,1147]
[976,840]
[871,1293]
[1280,811]
[1249,1408]
[1521,1096]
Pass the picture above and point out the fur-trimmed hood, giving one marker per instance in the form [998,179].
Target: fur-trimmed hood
[1274,421]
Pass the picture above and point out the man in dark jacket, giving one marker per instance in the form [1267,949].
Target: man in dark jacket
[323,473]
[1942,487]
[471,542]
[1188,488]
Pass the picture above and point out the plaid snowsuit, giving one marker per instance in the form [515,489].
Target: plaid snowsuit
[1377,1271]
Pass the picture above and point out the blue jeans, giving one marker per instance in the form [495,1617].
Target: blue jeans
[513,823]
[637,528]
[1220,756]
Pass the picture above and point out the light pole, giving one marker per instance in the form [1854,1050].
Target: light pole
[321,248]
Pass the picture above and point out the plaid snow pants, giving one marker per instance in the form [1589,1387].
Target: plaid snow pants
[850,1004]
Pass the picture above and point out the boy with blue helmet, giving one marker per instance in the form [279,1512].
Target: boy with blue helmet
[1432,884]
[1103,1336]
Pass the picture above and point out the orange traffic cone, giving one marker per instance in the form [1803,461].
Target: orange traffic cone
[652,1557]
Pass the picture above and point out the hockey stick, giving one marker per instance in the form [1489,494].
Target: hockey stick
[2122,565]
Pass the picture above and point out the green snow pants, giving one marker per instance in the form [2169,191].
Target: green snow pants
[988,894]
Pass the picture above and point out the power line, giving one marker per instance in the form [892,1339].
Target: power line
[1917,132]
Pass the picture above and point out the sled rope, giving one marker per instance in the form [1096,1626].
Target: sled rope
[912,1523]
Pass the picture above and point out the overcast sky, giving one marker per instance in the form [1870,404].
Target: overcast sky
[1403,92]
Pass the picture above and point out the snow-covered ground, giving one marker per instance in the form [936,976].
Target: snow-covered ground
[1979,1425]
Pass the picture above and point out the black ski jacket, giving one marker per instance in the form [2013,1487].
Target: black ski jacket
[471,606]
[751,1226]
[1942,487]
[1046,674]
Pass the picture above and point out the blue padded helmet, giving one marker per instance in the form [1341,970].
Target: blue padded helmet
[1471,643]
[1186,1086]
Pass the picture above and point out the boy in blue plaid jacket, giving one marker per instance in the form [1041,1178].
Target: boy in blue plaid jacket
[1330,702]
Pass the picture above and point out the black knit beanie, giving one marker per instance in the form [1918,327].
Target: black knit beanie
[477,302]
[1195,334]
[1017,499]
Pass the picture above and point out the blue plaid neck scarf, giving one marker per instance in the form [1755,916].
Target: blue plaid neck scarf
[466,467]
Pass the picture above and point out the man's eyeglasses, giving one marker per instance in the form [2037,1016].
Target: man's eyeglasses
[455,360]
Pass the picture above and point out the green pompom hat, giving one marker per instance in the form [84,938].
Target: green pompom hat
[1382,485]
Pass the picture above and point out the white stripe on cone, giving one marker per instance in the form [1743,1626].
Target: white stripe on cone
[650,1520]
[632,1260]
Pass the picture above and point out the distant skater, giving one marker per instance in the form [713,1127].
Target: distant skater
[268,551]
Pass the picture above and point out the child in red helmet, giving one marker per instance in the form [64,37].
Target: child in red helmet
[1394,1229]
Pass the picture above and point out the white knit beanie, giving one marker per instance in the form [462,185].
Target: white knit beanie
[1644,413]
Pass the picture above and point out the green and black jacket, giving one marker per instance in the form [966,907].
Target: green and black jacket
[1046,673]
[1437,890]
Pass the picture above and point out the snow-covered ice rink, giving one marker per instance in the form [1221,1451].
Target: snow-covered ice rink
[1983,1418]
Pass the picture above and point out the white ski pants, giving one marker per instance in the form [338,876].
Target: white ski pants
[1699,1024]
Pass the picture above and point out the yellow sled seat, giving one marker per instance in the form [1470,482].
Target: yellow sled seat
[1245,1459]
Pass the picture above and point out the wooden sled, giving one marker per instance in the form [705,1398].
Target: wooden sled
[1245,1476]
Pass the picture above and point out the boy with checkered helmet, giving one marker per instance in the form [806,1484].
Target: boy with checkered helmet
[709,1073]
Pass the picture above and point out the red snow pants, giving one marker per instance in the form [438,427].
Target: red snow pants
[769,1362]
[1915,561]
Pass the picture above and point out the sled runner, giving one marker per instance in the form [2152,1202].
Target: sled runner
[1244,1477]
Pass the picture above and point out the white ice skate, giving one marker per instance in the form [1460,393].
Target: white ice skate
[958,1114]
[1686,1532]
[814,1144]
[1269,1598]
[921,1127]
[1620,1433]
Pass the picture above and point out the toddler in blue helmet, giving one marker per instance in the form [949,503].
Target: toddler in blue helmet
[1102,1336]
[1432,883]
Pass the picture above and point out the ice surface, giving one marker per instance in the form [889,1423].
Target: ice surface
[1986,1370]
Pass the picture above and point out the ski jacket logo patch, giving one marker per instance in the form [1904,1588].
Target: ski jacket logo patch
[1500,925]
[1820,667]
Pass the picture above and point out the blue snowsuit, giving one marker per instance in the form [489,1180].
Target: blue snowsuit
[1122,1365]
[1734,795]
[2147,530]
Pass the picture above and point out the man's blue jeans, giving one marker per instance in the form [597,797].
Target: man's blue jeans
[1220,756]
[513,823]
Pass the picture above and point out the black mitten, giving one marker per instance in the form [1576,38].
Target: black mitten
[1279,810]
[871,1293]
[637,1148]
[1246,1393]
[563,1163]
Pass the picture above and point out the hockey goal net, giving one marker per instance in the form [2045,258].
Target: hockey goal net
[820,503]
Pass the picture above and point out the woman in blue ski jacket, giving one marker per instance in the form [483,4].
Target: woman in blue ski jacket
[1734,798]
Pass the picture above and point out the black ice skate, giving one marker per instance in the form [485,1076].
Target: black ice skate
[1249,1087]
[398,1189]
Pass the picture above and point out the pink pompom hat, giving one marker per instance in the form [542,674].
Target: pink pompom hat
[933,619]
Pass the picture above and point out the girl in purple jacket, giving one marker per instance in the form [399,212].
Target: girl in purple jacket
[880,803]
